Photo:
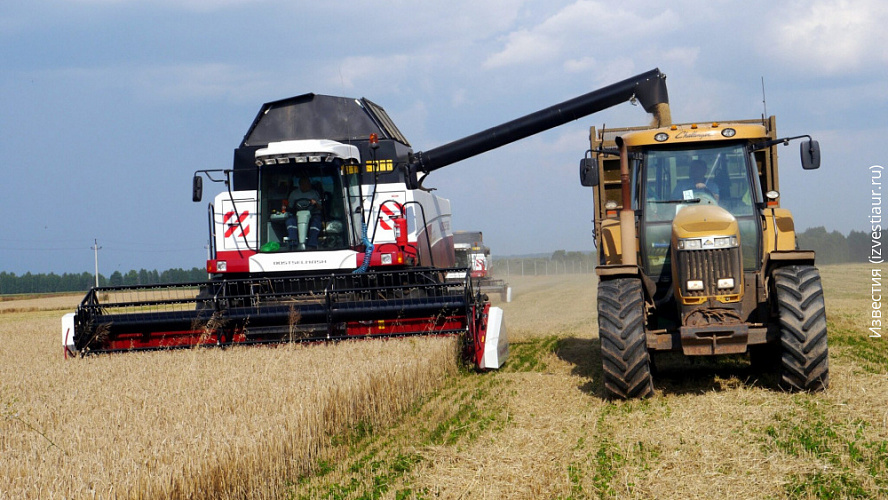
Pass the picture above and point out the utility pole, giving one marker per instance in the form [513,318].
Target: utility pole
[96,249]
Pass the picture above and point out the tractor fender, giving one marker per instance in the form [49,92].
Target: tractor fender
[780,258]
[617,271]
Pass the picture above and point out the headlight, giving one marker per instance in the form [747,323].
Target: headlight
[689,244]
[725,242]
[695,285]
[221,266]
[726,283]
[708,242]
[386,258]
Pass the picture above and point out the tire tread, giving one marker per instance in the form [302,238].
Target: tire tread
[624,355]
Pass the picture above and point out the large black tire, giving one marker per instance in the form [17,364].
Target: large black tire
[624,354]
[804,357]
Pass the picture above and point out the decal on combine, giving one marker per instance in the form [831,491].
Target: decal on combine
[236,222]
[385,217]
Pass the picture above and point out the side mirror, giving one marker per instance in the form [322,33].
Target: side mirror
[810,151]
[589,172]
[196,188]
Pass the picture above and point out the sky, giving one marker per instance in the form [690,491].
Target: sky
[109,106]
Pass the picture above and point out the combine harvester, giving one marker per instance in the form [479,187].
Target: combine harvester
[474,255]
[324,232]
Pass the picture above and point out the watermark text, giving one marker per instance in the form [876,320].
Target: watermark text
[876,256]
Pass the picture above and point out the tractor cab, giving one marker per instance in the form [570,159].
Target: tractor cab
[714,178]
[698,198]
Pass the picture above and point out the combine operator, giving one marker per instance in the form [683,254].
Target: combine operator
[304,197]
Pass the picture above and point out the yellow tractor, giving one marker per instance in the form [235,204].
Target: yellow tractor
[696,254]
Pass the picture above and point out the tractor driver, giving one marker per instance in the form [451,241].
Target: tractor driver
[696,182]
[299,197]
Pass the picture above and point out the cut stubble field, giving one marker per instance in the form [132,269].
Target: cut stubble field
[398,419]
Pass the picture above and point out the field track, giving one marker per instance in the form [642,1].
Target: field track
[538,429]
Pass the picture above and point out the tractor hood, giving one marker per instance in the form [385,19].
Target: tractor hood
[700,221]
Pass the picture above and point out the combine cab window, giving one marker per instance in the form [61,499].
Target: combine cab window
[676,178]
[276,183]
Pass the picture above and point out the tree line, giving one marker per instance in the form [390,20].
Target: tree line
[10,283]
[835,248]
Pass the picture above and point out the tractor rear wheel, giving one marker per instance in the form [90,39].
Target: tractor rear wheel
[804,356]
[624,354]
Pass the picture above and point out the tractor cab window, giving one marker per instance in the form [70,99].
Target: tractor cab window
[301,207]
[675,178]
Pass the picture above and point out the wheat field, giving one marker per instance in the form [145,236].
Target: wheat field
[715,429]
[201,423]
[399,420]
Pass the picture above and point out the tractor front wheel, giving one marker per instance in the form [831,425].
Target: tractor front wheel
[624,354]
[804,356]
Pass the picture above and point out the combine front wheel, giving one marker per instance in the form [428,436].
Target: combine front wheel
[803,352]
[624,355]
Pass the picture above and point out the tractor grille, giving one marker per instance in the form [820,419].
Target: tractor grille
[709,266]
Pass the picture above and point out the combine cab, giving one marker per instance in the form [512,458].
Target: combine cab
[323,231]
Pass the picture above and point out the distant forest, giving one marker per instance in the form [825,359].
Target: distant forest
[834,248]
[49,283]
[831,247]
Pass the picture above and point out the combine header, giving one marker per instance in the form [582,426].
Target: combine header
[323,231]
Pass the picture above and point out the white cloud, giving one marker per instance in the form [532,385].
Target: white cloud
[193,81]
[168,83]
[369,71]
[833,36]
[525,47]
[684,56]
[582,25]
[195,5]
[579,65]
[459,97]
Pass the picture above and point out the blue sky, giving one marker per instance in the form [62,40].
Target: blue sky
[108,106]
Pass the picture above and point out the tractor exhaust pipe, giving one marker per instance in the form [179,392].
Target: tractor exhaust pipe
[627,215]
[662,117]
